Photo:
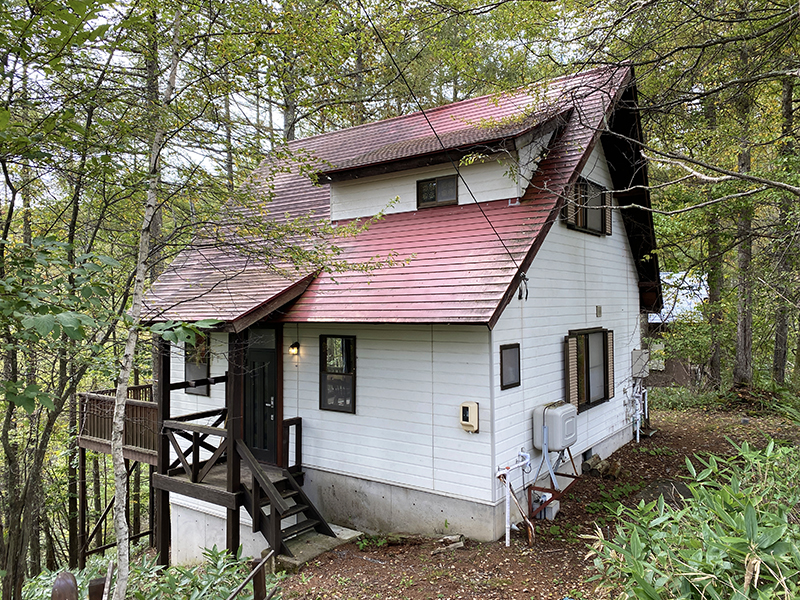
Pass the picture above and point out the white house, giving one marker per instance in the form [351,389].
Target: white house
[522,265]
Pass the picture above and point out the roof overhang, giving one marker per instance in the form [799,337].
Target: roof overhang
[499,143]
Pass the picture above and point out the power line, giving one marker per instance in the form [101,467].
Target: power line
[435,133]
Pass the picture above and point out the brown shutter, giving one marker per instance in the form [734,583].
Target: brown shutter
[571,370]
[609,364]
[608,213]
[569,212]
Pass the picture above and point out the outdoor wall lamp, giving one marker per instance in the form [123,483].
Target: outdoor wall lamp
[294,349]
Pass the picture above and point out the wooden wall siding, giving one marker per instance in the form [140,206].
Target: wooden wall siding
[572,274]
[410,383]
[488,181]
[183,403]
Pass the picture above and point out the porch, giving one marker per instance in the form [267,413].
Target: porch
[202,455]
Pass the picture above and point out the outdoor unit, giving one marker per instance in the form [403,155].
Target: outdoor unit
[562,426]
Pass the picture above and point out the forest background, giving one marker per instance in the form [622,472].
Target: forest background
[109,110]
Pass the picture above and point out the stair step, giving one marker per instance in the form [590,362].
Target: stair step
[285,494]
[299,528]
[294,510]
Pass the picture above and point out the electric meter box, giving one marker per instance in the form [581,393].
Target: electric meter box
[562,426]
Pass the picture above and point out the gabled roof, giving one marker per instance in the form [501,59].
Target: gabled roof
[463,263]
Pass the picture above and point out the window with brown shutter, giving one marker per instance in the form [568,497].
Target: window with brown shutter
[589,367]
[588,208]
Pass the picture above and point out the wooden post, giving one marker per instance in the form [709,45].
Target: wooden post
[259,581]
[162,525]
[151,511]
[234,397]
[82,508]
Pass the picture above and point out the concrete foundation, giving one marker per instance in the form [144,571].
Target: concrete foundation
[376,507]
[368,506]
[196,525]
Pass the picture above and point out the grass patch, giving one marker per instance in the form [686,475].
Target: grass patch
[681,398]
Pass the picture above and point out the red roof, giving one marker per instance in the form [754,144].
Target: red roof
[456,269]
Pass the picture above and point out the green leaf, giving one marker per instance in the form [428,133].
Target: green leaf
[690,467]
[5,117]
[207,323]
[770,536]
[645,591]
[750,522]
[43,324]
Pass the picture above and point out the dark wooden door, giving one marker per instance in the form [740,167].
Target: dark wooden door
[260,405]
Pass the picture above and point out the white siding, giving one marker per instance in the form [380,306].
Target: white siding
[497,178]
[410,382]
[573,273]
[183,403]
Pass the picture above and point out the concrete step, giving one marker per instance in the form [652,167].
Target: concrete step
[310,545]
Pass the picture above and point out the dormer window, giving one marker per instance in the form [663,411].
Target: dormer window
[588,208]
[437,191]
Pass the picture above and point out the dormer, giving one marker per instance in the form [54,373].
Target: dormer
[475,162]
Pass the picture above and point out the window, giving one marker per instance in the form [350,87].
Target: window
[337,378]
[589,366]
[438,191]
[588,208]
[509,366]
[197,364]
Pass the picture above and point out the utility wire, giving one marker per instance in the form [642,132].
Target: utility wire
[435,133]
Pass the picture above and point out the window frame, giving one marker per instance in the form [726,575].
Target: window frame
[518,382]
[578,385]
[576,207]
[325,403]
[437,202]
[202,347]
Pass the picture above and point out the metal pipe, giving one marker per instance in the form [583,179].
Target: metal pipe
[502,474]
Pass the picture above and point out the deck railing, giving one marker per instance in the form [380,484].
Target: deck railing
[141,418]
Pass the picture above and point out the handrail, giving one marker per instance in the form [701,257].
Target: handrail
[276,500]
[205,430]
[252,574]
[201,415]
[135,392]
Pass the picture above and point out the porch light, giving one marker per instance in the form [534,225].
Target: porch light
[294,349]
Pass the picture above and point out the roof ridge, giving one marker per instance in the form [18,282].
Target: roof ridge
[448,106]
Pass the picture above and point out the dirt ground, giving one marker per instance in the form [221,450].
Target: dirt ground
[402,567]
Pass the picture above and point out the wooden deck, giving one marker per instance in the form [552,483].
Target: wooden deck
[214,487]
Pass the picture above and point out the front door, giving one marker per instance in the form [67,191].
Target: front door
[261,419]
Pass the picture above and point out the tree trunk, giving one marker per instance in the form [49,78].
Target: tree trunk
[98,504]
[784,247]
[743,366]
[117,439]
[716,281]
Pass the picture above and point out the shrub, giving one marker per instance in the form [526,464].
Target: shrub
[735,538]
[214,579]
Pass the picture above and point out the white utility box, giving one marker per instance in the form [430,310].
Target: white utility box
[562,426]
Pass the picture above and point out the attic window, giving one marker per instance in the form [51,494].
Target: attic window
[588,208]
[437,191]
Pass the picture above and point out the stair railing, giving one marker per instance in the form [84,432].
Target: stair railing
[262,486]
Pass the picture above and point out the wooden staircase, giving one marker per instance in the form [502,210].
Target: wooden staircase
[273,501]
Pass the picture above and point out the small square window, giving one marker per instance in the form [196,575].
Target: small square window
[509,366]
[337,380]
[438,191]
[197,365]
